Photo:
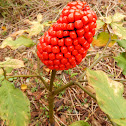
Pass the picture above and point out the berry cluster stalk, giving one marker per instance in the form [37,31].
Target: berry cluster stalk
[51,99]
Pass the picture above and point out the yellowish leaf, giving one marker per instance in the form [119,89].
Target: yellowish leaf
[18,33]
[103,38]
[118,17]
[100,24]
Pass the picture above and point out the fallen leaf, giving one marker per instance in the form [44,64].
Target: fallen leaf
[119,30]
[24,87]
[14,44]
[118,17]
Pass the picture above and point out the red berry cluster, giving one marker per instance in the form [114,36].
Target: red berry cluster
[66,42]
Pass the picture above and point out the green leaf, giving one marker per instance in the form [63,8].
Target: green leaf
[21,41]
[100,24]
[13,63]
[109,95]
[103,38]
[121,61]
[79,123]
[14,105]
[119,30]
[118,17]
[122,43]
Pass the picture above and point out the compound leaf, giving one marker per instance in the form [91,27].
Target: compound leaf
[109,95]
[14,105]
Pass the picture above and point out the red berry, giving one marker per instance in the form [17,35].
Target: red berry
[59,56]
[55,49]
[48,39]
[75,41]
[57,62]
[90,17]
[49,48]
[78,16]
[54,41]
[78,24]
[80,32]
[71,48]
[66,33]
[64,61]
[74,52]
[67,55]
[41,39]
[81,40]
[62,66]
[90,40]
[78,57]
[59,34]
[70,26]
[61,42]
[71,59]
[88,35]
[73,34]
[52,56]
[77,47]
[64,19]
[39,47]
[64,26]
[71,17]
[81,50]
[65,12]
[86,28]
[68,41]
[85,20]
[45,55]
[63,49]
[91,25]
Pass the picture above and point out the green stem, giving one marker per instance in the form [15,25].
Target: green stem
[97,60]
[60,89]
[51,106]
[51,99]
[90,94]
[52,79]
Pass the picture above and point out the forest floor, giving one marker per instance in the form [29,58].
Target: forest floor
[72,104]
